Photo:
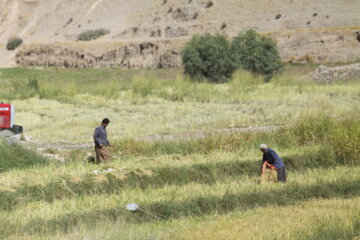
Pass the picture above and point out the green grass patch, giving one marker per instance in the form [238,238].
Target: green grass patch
[17,157]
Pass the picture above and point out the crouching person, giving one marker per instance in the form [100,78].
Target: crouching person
[273,161]
[101,142]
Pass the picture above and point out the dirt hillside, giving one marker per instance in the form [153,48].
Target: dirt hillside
[150,33]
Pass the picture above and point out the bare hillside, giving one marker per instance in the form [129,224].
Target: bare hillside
[150,33]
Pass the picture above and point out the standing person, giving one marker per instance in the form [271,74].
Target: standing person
[274,162]
[101,143]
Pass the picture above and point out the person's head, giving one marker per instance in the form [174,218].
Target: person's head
[105,122]
[263,147]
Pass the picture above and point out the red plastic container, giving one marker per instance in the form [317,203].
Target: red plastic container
[7,115]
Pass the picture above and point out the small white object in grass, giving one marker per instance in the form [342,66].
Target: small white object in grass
[132,207]
[109,170]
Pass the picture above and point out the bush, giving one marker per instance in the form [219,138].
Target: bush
[89,35]
[256,53]
[14,43]
[208,57]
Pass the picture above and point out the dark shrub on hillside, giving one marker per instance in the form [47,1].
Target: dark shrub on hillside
[89,35]
[209,4]
[14,43]
[208,57]
[256,53]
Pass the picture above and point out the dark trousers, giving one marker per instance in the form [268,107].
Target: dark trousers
[281,175]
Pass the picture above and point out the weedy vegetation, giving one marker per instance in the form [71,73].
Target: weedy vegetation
[184,151]
[13,43]
[90,35]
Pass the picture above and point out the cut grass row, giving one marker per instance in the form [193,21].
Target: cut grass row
[174,202]
[306,220]
[322,142]
[314,219]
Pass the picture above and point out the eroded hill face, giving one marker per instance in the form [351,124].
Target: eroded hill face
[150,33]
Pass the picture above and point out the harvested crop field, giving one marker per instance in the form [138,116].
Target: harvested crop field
[186,152]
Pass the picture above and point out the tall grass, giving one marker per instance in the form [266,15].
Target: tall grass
[17,157]
[333,141]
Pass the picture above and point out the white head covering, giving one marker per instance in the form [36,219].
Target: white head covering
[263,146]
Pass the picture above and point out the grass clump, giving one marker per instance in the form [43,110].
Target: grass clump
[345,141]
[23,89]
[143,86]
[17,157]
[89,35]
[13,43]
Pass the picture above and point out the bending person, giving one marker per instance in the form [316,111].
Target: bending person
[273,161]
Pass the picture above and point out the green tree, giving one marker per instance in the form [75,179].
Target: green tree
[208,56]
[256,53]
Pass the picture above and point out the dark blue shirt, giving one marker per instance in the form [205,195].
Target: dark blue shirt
[272,158]
[100,136]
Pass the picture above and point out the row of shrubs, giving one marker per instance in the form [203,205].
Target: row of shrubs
[87,35]
[215,58]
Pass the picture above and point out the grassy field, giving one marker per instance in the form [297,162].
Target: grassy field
[66,105]
[202,188]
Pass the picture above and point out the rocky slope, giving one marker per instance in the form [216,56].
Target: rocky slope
[328,75]
[150,33]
